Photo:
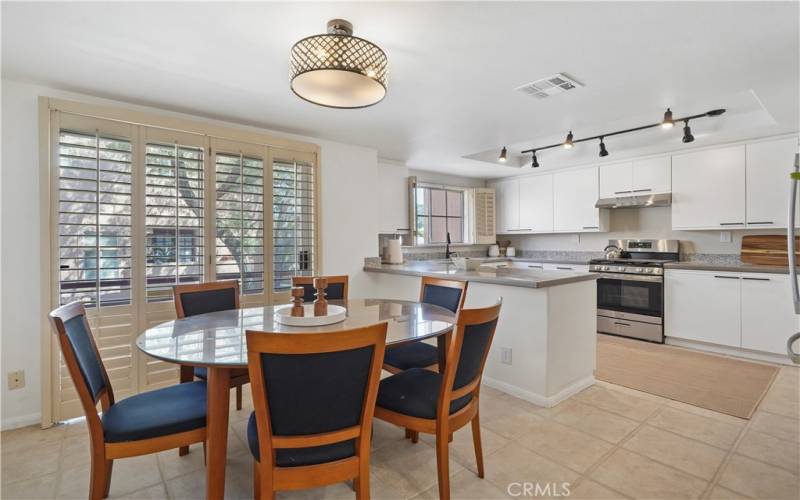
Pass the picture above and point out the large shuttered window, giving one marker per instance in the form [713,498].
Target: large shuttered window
[293,222]
[174,218]
[94,219]
[239,210]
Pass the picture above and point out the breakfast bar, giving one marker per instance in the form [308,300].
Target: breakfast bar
[544,347]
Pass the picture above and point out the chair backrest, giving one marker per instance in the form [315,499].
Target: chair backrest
[315,389]
[82,359]
[467,353]
[201,298]
[337,287]
[449,294]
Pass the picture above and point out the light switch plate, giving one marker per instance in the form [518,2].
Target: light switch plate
[16,380]
[505,355]
[724,236]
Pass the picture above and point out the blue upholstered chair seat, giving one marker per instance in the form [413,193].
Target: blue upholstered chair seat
[411,355]
[294,457]
[174,409]
[201,372]
[415,392]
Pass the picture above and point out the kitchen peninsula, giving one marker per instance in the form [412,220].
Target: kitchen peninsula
[544,347]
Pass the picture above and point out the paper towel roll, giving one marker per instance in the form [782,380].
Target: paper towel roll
[394,254]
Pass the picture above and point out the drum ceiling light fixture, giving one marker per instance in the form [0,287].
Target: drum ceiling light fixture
[339,70]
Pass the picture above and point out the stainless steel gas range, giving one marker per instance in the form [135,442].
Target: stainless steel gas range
[630,290]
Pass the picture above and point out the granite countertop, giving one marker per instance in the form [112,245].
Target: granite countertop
[727,267]
[528,278]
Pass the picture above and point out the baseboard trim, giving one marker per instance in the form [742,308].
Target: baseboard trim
[20,421]
[734,352]
[538,399]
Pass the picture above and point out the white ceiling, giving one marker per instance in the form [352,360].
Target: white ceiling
[453,68]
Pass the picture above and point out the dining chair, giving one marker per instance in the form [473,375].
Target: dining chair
[201,298]
[449,294]
[142,424]
[337,287]
[441,403]
[314,399]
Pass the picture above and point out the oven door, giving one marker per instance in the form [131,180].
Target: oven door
[633,295]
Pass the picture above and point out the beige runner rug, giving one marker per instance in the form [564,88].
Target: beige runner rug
[718,383]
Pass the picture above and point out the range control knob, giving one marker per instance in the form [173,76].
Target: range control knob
[639,269]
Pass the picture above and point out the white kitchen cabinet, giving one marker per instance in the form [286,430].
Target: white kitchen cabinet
[768,317]
[768,166]
[703,306]
[708,189]
[651,175]
[393,199]
[508,205]
[536,204]
[616,179]
[575,193]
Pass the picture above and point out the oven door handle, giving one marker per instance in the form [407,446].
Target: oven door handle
[631,277]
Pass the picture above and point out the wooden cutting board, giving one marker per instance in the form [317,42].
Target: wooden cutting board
[768,250]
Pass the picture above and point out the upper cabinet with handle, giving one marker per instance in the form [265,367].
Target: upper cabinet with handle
[768,166]
[708,189]
[575,193]
[393,200]
[536,204]
[643,176]
[507,205]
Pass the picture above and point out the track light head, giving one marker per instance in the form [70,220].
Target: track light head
[534,161]
[687,133]
[568,142]
[715,112]
[667,121]
[503,155]
[603,150]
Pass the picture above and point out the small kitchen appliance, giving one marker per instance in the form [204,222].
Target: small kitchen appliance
[630,289]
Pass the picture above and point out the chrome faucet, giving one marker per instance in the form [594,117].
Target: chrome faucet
[447,252]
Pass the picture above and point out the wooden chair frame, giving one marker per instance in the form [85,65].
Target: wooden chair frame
[309,280]
[426,281]
[445,423]
[238,377]
[268,477]
[103,454]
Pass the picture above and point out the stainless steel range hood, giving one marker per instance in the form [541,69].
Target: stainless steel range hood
[636,201]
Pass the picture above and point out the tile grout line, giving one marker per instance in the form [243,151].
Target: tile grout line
[725,461]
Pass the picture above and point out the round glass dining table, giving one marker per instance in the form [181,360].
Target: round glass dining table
[217,342]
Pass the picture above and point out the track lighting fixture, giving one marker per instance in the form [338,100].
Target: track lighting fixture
[568,143]
[534,162]
[687,132]
[667,121]
[603,150]
[503,155]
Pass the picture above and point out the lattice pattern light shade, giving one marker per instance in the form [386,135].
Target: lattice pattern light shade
[339,70]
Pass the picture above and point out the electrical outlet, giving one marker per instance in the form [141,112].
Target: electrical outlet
[724,236]
[16,380]
[505,355]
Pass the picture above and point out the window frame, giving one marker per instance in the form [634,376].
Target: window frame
[140,127]
[466,211]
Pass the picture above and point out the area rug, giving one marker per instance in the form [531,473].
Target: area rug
[719,383]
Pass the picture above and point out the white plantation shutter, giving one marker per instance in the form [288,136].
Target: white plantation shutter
[95,247]
[293,221]
[485,225]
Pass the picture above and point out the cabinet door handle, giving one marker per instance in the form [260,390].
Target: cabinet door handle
[591,227]
[536,267]
[756,279]
[565,268]
[642,190]
[726,277]
[622,192]
[402,229]
[766,222]
[731,223]
[621,324]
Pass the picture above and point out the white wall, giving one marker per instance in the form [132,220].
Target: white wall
[647,223]
[349,228]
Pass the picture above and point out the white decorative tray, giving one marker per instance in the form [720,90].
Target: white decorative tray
[336,314]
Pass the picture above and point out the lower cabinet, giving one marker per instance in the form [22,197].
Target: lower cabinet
[704,306]
[745,310]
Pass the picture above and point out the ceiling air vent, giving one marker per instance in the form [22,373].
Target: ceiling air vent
[549,86]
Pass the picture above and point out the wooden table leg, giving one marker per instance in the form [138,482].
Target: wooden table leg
[187,375]
[219,393]
[442,343]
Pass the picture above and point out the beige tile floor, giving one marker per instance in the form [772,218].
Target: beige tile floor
[606,442]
